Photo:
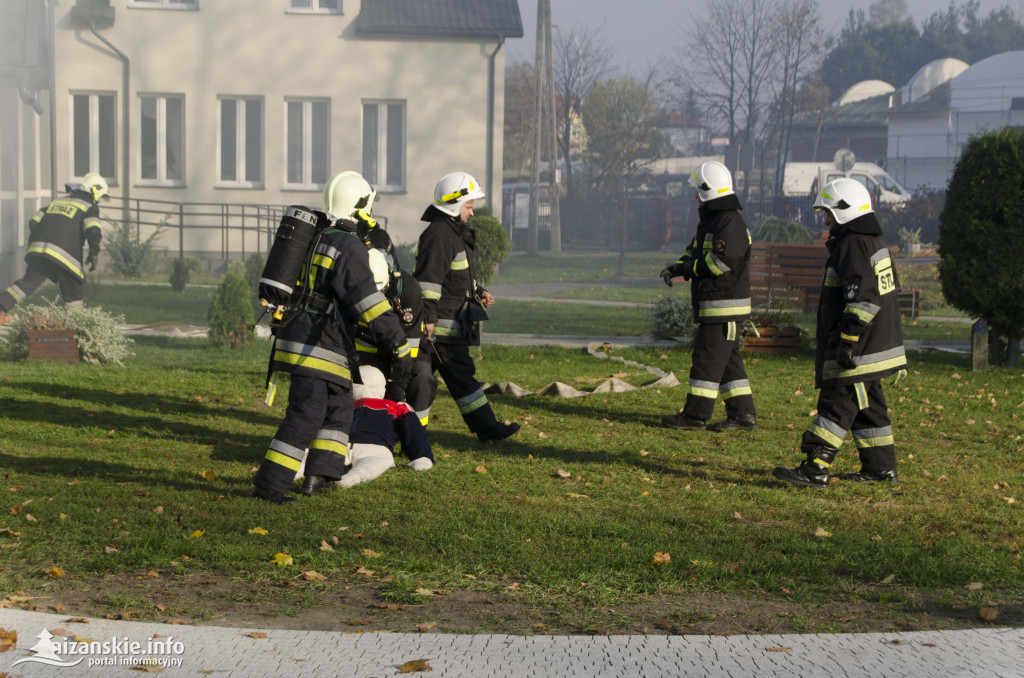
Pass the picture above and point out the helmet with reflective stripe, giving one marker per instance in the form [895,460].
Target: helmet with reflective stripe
[712,180]
[454,190]
[845,198]
[97,185]
[347,194]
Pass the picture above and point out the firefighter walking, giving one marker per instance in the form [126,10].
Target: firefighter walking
[57,235]
[717,261]
[453,300]
[859,341]
[314,344]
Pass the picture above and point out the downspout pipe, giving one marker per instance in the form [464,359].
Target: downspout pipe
[52,49]
[126,79]
[496,202]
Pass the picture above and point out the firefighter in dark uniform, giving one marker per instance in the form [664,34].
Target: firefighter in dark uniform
[57,234]
[316,348]
[859,341]
[718,262]
[406,297]
[454,302]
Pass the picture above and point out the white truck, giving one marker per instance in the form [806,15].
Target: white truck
[807,178]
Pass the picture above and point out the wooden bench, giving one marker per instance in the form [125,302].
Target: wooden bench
[787,275]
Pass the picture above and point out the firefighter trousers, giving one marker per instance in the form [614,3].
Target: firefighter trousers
[717,370]
[319,417]
[72,288]
[457,369]
[860,409]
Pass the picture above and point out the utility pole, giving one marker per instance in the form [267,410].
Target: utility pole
[538,73]
[554,193]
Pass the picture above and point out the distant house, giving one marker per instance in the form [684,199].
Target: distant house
[858,120]
[243,103]
[685,136]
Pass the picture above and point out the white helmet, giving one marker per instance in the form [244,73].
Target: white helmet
[380,269]
[455,189]
[845,198]
[347,194]
[97,185]
[712,180]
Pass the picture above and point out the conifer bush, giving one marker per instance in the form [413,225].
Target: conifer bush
[492,244]
[231,316]
[180,274]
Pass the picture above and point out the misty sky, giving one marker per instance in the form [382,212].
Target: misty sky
[643,31]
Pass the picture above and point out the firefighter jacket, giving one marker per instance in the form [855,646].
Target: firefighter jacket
[406,299]
[858,307]
[377,421]
[58,231]
[317,340]
[718,262]
[446,273]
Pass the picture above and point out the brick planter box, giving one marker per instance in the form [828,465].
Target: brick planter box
[773,340]
[59,345]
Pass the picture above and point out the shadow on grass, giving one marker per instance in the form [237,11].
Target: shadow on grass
[143,417]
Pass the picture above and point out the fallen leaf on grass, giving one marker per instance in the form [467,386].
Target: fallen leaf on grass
[55,572]
[424,592]
[58,608]
[389,606]
[196,534]
[481,469]
[888,580]
[209,475]
[512,587]
[423,627]
[416,664]
[822,532]
[256,634]
[324,546]
[974,586]
[313,575]
[577,495]
[258,530]
[777,649]
[988,613]
[8,640]
[370,553]
[282,559]
[358,622]
[363,571]
[661,558]
[563,473]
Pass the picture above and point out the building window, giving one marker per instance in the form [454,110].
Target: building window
[307,143]
[161,140]
[384,144]
[94,135]
[315,6]
[165,4]
[240,142]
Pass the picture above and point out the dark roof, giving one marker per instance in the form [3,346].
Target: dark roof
[935,100]
[870,112]
[440,18]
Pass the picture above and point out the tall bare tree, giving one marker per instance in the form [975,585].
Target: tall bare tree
[758,46]
[581,59]
[519,104]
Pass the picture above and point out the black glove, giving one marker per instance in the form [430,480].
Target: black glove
[91,261]
[667,275]
[401,372]
[844,356]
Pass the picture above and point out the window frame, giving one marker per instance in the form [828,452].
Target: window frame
[241,127]
[307,184]
[94,131]
[382,145]
[315,8]
[186,6]
[161,180]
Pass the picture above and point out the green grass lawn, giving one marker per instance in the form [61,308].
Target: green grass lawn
[521,269]
[119,472]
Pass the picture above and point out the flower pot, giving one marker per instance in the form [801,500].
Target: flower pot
[773,340]
[59,345]
[913,247]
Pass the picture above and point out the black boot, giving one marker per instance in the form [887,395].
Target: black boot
[497,432]
[744,422]
[811,473]
[272,496]
[863,476]
[313,485]
[683,422]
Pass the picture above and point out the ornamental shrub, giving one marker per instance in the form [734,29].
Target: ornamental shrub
[774,229]
[673,317]
[492,244]
[99,333]
[231,316]
[130,256]
[180,274]
[254,271]
[981,235]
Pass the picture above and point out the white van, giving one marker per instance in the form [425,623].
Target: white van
[807,178]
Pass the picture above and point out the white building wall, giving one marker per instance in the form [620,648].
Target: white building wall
[240,47]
